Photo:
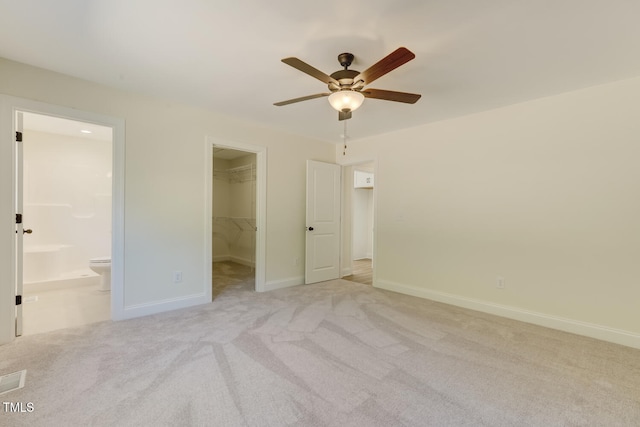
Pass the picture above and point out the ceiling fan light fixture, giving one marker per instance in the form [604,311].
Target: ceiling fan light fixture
[346,86]
[346,100]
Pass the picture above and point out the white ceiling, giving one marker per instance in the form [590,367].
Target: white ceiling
[225,55]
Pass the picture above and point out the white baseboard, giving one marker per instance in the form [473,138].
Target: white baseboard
[346,272]
[591,330]
[139,310]
[284,283]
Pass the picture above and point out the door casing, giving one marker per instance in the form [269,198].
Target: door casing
[261,210]
[9,107]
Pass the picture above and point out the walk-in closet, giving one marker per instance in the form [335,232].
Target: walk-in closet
[234,219]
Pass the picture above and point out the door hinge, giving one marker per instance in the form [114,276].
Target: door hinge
[18,218]
[19,136]
[18,299]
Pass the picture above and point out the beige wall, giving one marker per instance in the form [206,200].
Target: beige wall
[165,181]
[543,193]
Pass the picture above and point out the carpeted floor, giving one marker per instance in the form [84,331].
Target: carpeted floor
[330,354]
[229,274]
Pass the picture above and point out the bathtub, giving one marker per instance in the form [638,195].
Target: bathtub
[48,267]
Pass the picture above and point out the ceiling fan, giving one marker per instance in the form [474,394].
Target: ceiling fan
[347,87]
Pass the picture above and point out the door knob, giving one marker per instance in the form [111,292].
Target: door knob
[27,231]
[310,228]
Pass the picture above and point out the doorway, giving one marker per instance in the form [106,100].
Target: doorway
[66,204]
[234,220]
[358,239]
[10,257]
[239,220]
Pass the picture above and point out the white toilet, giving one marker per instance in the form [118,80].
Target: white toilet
[102,266]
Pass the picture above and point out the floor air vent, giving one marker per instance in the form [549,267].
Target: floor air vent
[13,381]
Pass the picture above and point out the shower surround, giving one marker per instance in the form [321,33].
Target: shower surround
[67,204]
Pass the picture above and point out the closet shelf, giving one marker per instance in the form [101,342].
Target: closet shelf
[236,175]
[238,221]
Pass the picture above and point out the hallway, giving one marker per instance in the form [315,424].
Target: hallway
[362,272]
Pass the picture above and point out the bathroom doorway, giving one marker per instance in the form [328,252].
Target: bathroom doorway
[234,226]
[66,190]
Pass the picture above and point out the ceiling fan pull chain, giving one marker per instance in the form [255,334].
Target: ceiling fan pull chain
[344,139]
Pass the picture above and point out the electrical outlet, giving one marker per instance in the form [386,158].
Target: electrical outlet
[177,276]
[500,282]
[296,261]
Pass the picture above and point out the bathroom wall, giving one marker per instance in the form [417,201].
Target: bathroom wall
[67,202]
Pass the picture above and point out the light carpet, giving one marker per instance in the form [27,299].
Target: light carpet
[330,354]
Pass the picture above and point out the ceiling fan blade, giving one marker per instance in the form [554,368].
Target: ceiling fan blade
[344,115]
[400,56]
[306,68]
[303,98]
[390,95]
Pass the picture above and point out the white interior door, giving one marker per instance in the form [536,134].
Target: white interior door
[19,225]
[322,258]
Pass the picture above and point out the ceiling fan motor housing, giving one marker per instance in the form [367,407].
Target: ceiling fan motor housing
[345,78]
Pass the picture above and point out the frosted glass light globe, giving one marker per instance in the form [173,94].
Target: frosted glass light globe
[346,100]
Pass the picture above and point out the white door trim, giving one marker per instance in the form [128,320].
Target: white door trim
[261,208]
[9,105]
[19,208]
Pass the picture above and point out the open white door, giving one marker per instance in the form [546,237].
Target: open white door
[19,226]
[322,259]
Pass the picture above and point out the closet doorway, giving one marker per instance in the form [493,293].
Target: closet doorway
[234,225]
